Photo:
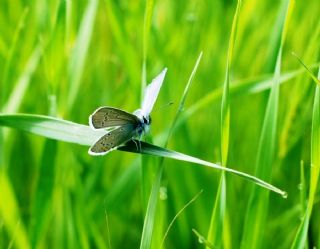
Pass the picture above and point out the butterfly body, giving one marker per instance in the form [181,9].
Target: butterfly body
[123,126]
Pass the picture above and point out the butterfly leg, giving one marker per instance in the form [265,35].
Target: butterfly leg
[136,144]
[140,137]
[139,145]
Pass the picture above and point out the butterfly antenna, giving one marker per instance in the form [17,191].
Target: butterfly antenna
[163,106]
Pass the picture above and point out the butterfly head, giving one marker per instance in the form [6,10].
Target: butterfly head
[145,121]
[145,124]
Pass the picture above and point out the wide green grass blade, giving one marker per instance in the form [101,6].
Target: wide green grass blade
[216,228]
[53,128]
[70,132]
[301,235]
[257,209]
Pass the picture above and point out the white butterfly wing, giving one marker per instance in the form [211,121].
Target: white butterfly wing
[151,93]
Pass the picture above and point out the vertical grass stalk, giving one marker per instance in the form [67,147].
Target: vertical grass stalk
[257,208]
[80,51]
[153,198]
[301,235]
[218,212]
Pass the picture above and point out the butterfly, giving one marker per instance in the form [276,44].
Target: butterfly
[124,126]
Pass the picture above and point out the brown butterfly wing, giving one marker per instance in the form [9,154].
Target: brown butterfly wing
[105,117]
[113,139]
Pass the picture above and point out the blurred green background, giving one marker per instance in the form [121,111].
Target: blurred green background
[66,58]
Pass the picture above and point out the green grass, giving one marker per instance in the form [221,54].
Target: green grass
[252,109]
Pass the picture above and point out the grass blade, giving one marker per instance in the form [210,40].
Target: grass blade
[67,131]
[23,82]
[177,215]
[43,194]
[149,219]
[183,100]
[11,53]
[149,203]
[11,215]
[202,240]
[258,201]
[53,128]
[154,150]
[301,235]
[80,51]
[242,87]
[218,212]
[146,32]
[153,198]
[300,103]
[315,79]
[128,54]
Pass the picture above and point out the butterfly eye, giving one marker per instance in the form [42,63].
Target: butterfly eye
[147,120]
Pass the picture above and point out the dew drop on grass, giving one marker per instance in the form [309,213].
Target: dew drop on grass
[284,195]
[163,193]
[201,240]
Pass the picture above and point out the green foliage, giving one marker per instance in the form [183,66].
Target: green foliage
[63,59]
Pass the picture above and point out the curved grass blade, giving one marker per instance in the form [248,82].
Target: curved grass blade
[154,150]
[177,215]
